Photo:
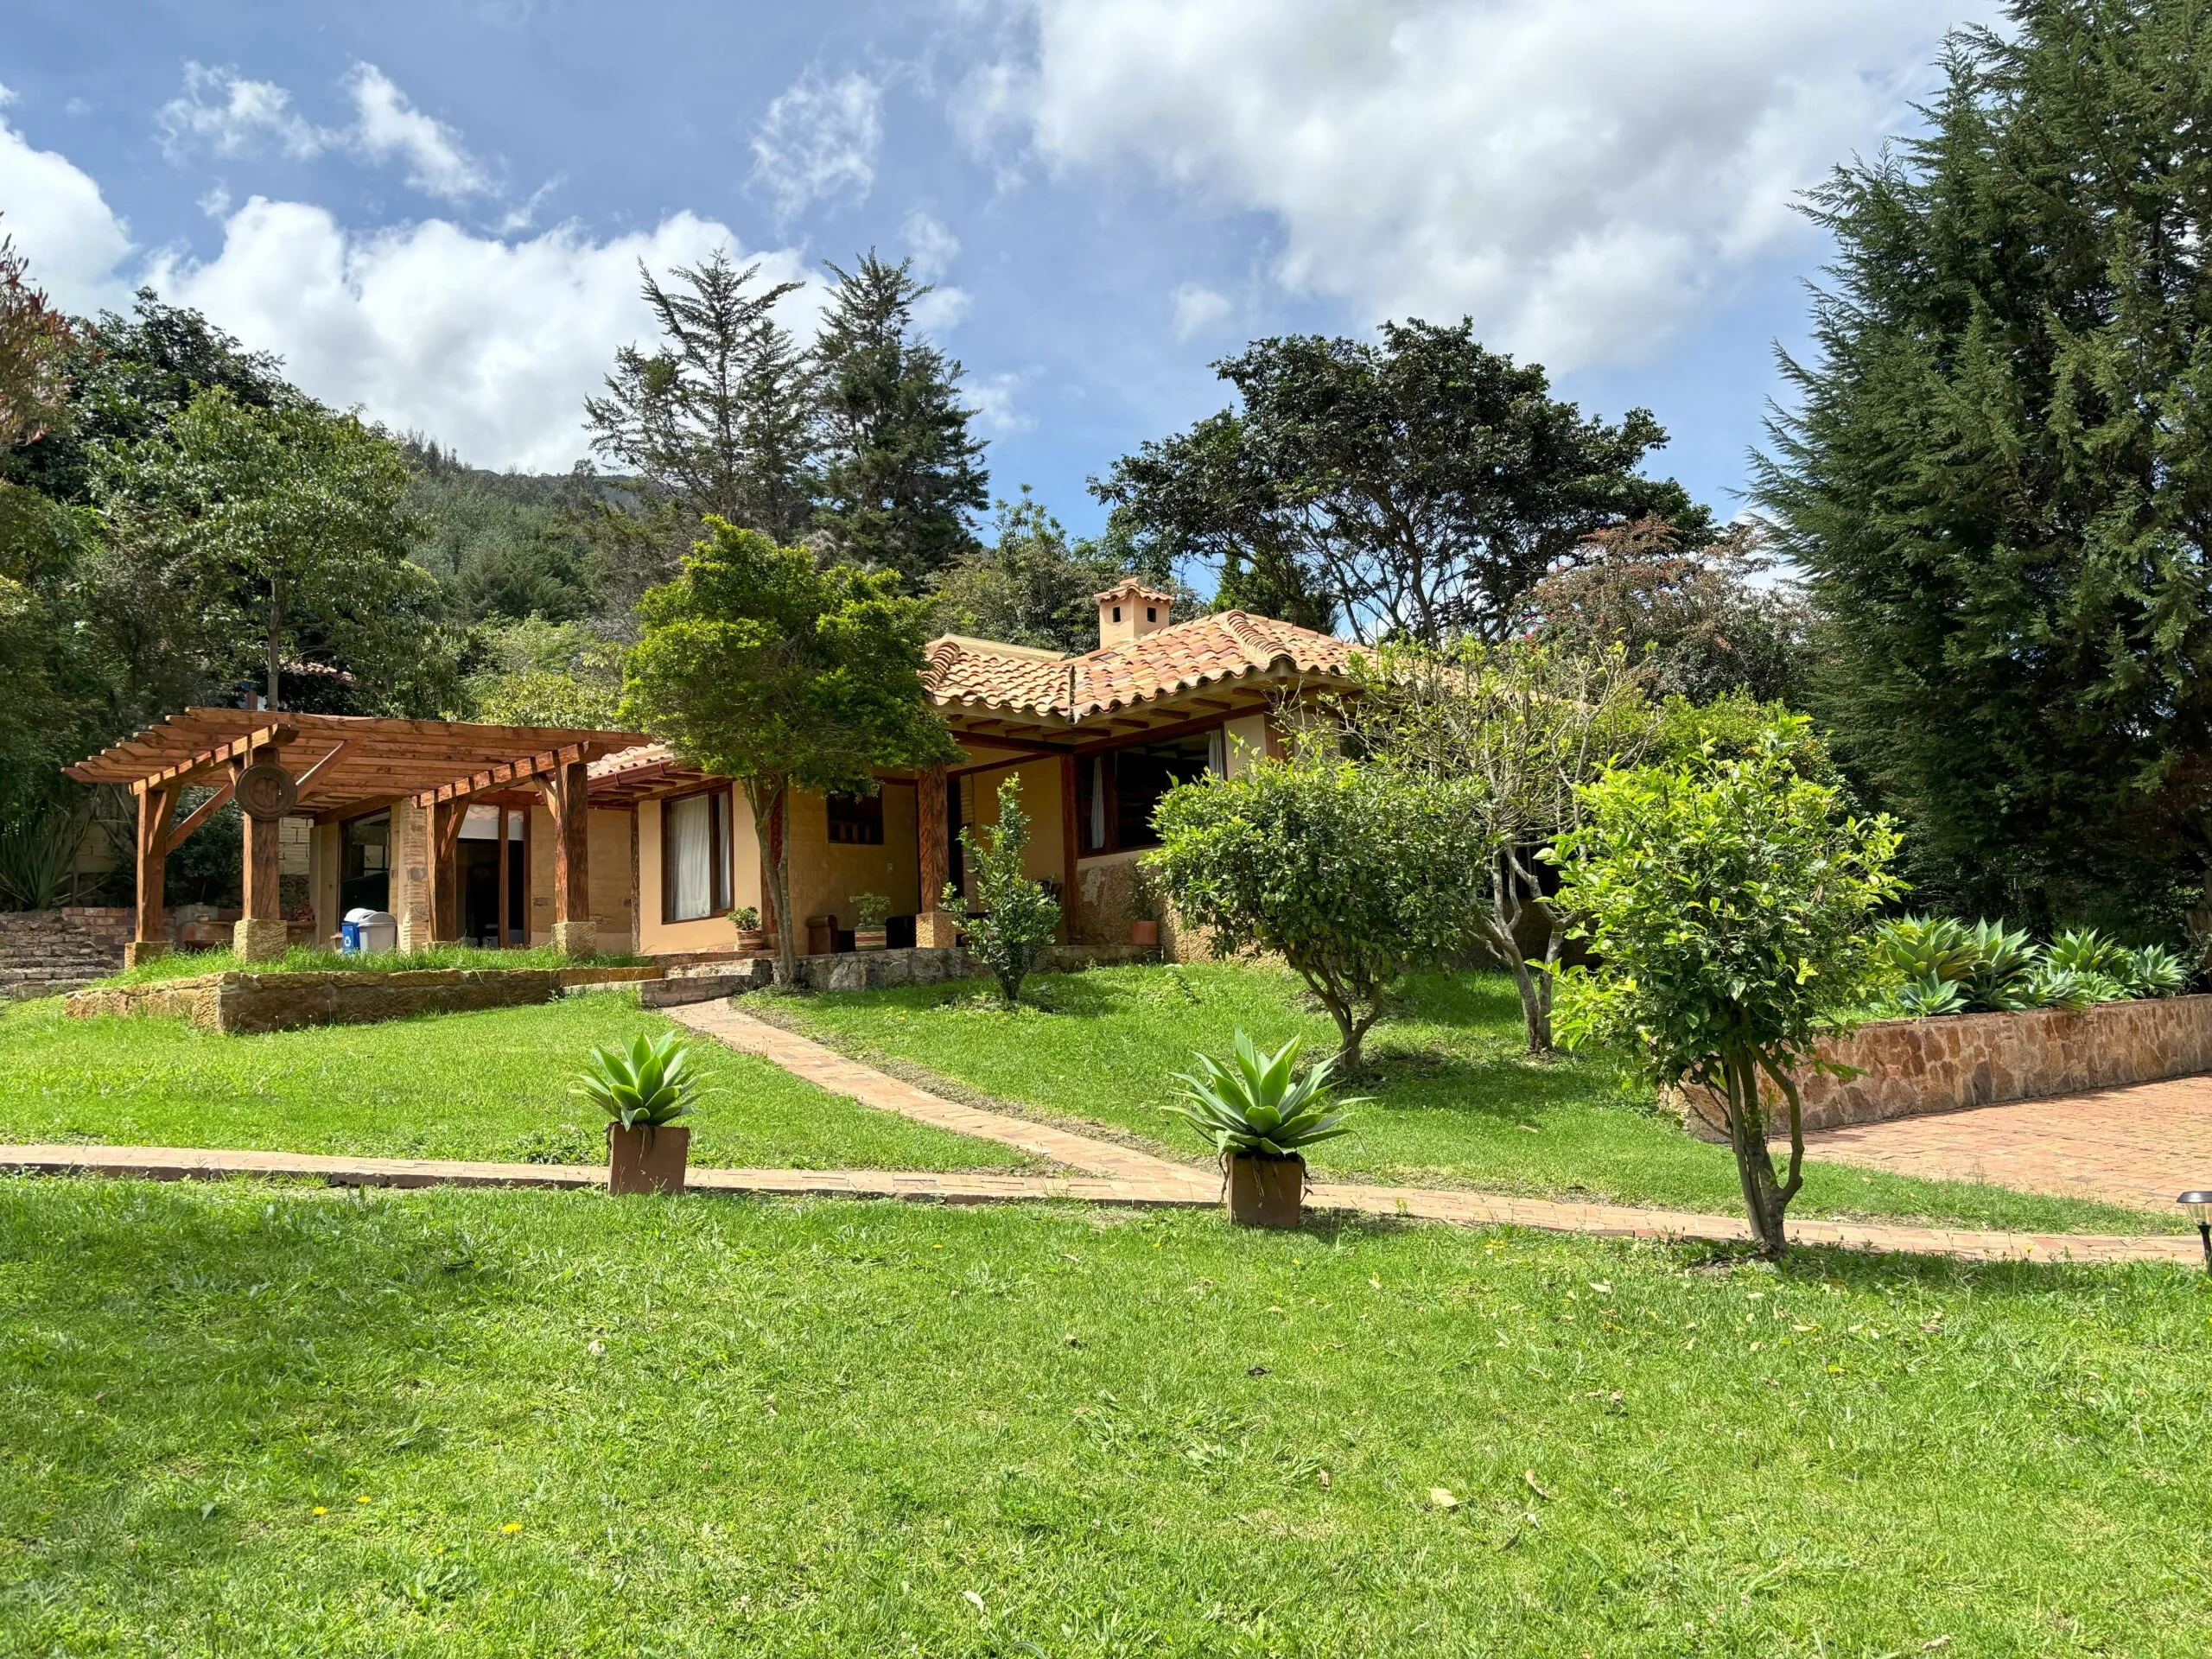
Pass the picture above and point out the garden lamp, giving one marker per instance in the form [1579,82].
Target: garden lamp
[2200,1206]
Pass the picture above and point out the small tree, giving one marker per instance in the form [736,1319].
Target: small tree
[758,665]
[1014,917]
[1729,903]
[1354,874]
[1513,730]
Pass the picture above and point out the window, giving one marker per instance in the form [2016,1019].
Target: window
[1116,791]
[694,856]
[364,863]
[856,820]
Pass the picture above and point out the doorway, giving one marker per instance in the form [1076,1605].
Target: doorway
[477,860]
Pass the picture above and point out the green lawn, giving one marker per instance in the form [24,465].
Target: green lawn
[1455,1100]
[494,1085]
[251,1420]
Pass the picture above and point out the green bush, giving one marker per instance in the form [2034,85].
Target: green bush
[1013,917]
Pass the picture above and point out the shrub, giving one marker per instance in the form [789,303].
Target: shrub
[1013,917]
[747,917]
[1260,1105]
[870,910]
[648,1086]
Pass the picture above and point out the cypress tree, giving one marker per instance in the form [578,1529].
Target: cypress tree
[1998,469]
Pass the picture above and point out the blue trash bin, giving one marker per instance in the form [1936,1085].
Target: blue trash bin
[349,937]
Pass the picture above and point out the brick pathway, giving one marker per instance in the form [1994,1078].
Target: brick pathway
[827,1069]
[1461,1209]
[2136,1146]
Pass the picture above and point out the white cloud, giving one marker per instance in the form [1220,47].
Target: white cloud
[933,245]
[223,112]
[61,223]
[386,125]
[992,396]
[819,139]
[489,345]
[1579,176]
[1198,308]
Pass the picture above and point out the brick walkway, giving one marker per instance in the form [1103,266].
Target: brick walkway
[1461,1209]
[2137,1146]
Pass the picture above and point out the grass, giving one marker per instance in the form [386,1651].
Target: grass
[1455,1100]
[491,1086]
[312,959]
[250,1420]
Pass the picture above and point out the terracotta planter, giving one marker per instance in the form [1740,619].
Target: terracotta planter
[869,938]
[1144,933]
[1266,1192]
[752,941]
[646,1160]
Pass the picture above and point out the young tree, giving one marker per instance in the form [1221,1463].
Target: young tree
[1998,465]
[1012,921]
[1423,485]
[1355,875]
[287,523]
[716,420]
[1698,622]
[759,665]
[34,342]
[901,471]
[1513,731]
[1729,904]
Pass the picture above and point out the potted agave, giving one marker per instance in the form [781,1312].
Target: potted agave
[1144,910]
[1261,1113]
[644,1089]
[751,941]
[869,911]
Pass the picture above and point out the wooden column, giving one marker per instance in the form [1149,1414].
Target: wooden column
[637,903]
[506,897]
[156,807]
[1071,889]
[934,926]
[446,819]
[260,935]
[567,794]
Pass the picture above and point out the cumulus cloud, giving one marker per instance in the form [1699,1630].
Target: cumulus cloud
[931,248]
[994,399]
[819,140]
[222,113]
[386,125]
[1581,176]
[61,223]
[1198,308]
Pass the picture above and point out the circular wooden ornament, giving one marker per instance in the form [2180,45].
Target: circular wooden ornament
[265,790]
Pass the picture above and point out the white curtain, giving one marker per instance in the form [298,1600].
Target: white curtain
[1097,802]
[694,839]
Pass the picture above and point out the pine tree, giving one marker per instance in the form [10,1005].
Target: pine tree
[901,471]
[1998,471]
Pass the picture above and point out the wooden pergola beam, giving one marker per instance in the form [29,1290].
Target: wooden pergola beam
[510,772]
[200,814]
[185,772]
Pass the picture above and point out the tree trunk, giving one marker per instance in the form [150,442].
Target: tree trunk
[767,800]
[1765,1200]
[1501,931]
[276,641]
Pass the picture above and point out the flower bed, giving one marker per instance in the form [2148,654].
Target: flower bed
[1909,1067]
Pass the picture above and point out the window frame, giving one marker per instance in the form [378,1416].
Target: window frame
[1098,791]
[719,854]
[868,818]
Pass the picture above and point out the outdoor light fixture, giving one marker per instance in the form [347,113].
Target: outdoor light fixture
[2200,1206]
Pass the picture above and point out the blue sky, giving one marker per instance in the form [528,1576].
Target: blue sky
[435,211]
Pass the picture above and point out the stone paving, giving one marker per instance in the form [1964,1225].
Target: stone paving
[2137,1146]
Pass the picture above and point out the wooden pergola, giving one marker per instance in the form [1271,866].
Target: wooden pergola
[278,765]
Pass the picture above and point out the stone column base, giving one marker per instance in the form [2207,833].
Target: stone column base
[138,951]
[260,939]
[576,938]
[937,930]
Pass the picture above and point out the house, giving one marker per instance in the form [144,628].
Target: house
[607,841]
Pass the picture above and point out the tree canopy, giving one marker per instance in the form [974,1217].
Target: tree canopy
[1419,486]
[1998,465]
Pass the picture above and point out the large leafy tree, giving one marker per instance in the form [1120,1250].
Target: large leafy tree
[281,531]
[34,343]
[758,665]
[1999,465]
[1418,484]
[1728,903]
[901,471]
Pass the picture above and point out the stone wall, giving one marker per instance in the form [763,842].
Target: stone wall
[251,1002]
[45,952]
[1909,1067]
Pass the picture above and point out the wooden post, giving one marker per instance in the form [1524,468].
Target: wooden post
[567,794]
[933,926]
[505,896]
[1071,889]
[446,819]
[260,936]
[637,904]
[155,808]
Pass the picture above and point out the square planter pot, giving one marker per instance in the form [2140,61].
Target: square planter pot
[646,1160]
[1144,933]
[870,938]
[753,941]
[1266,1192]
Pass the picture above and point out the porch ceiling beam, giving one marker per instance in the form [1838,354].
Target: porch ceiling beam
[508,772]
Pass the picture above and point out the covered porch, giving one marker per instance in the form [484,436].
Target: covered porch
[390,807]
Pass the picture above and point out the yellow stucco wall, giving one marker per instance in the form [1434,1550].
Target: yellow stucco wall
[825,875]
[323,879]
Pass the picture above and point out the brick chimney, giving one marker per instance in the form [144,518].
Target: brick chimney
[1130,611]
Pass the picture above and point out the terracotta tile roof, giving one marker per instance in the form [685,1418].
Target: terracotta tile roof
[1228,645]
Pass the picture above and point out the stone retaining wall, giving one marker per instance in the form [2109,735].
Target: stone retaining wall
[1909,1067]
[249,1002]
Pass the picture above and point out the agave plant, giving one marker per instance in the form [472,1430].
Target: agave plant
[647,1086]
[1260,1105]
[1917,999]
[2084,951]
[2151,971]
[1996,980]
[1925,947]
[2054,986]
